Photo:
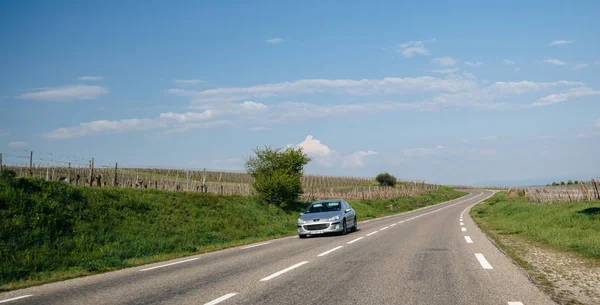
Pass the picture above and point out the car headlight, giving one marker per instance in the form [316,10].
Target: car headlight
[300,221]
[334,218]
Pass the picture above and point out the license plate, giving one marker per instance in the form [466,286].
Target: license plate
[316,232]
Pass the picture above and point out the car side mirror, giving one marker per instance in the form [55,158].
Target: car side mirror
[347,211]
[301,214]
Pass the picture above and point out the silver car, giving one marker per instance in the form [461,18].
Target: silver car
[327,216]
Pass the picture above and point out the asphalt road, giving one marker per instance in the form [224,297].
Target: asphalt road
[435,255]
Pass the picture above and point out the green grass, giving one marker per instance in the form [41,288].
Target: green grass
[367,209]
[52,231]
[573,227]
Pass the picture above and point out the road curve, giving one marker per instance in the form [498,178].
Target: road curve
[435,255]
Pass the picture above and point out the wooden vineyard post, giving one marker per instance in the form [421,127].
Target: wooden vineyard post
[1,168]
[31,163]
[91,171]
[115,180]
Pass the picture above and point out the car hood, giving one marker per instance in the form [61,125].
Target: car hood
[321,216]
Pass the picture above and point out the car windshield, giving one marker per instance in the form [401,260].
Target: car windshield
[323,207]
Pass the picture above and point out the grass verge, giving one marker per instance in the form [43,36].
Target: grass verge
[557,244]
[51,231]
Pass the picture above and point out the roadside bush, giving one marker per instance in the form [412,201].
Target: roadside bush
[277,174]
[385,179]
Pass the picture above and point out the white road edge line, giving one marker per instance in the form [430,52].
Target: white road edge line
[257,245]
[372,233]
[278,273]
[170,264]
[468,239]
[383,228]
[221,299]
[329,251]
[353,241]
[463,229]
[483,262]
[515,303]
[17,298]
[393,224]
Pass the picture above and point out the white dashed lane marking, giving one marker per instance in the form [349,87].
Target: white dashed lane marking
[353,241]
[468,239]
[257,245]
[278,273]
[170,264]
[221,299]
[483,262]
[329,251]
[17,298]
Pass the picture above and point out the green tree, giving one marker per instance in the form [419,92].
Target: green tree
[576,182]
[386,179]
[569,182]
[562,183]
[277,173]
[554,184]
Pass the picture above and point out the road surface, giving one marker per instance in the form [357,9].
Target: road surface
[435,255]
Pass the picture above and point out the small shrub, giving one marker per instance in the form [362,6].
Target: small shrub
[385,179]
[277,174]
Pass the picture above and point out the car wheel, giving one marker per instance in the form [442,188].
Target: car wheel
[302,235]
[344,228]
[355,227]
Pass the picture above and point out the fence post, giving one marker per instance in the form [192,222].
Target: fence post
[31,163]
[115,181]
[1,162]
[91,171]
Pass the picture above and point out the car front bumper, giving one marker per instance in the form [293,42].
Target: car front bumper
[320,228]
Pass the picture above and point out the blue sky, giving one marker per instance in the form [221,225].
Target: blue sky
[468,92]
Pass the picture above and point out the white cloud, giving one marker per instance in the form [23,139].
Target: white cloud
[446,71]
[561,42]
[581,66]
[274,40]
[464,141]
[422,152]
[317,150]
[16,144]
[261,128]
[188,116]
[593,133]
[474,64]
[362,87]
[4,133]
[90,78]
[458,91]
[490,138]
[555,62]
[563,97]
[444,61]
[187,82]
[546,137]
[101,126]
[508,62]
[65,93]
[357,159]
[410,48]
[250,105]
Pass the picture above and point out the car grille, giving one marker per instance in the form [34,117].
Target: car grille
[321,226]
